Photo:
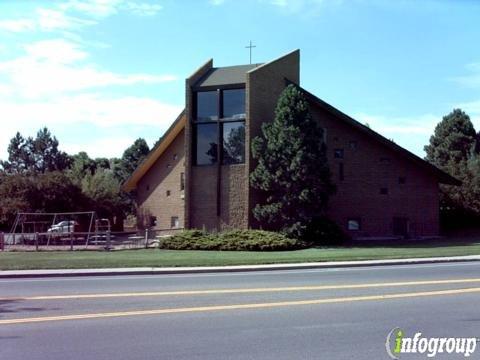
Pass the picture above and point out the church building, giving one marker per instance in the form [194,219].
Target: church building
[197,176]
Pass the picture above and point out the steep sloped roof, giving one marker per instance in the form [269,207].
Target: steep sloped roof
[170,135]
[442,176]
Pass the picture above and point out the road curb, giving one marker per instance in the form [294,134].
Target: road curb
[6,274]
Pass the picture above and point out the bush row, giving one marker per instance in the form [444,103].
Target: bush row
[239,240]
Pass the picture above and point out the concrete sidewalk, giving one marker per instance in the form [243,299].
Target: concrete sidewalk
[220,269]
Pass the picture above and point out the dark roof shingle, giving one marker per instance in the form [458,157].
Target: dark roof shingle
[229,75]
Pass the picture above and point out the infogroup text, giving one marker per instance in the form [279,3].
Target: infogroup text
[397,343]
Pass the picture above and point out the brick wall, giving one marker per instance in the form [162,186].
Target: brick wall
[368,167]
[164,176]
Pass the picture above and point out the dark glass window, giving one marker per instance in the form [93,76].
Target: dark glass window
[207,106]
[228,122]
[153,221]
[402,180]
[384,191]
[234,104]
[338,153]
[353,145]
[206,136]
[182,181]
[341,174]
[234,142]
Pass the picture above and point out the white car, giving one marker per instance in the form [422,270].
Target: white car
[63,227]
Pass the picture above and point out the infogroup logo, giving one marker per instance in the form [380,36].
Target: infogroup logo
[397,343]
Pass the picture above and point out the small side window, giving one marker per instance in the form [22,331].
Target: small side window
[353,145]
[153,221]
[168,193]
[402,180]
[182,181]
[384,191]
[174,222]
[338,153]
[353,224]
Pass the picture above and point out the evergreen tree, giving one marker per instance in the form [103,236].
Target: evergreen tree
[35,155]
[132,157]
[292,172]
[452,142]
[454,148]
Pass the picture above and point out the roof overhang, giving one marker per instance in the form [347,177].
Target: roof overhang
[178,125]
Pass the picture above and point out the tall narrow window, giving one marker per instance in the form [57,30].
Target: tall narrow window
[207,106]
[234,142]
[206,144]
[182,181]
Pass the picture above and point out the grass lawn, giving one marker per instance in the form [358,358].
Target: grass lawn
[167,258]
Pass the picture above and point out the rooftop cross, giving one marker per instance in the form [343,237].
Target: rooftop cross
[250,47]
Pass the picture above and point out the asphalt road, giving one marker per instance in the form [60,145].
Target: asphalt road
[302,314]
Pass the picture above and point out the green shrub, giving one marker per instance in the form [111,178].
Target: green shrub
[322,231]
[234,240]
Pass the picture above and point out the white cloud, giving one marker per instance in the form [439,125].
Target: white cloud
[55,51]
[45,19]
[72,113]
[423,124]
[104,147]
[95,8]
[412,133]
[18,25]
[143,9]
[92,108]
[49,20]
[105,8]
[65,16]
[53,67]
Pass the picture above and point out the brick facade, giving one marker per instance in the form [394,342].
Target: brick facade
[164,176]
[369,167]
[383,188]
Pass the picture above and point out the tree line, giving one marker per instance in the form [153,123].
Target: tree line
[39,177]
